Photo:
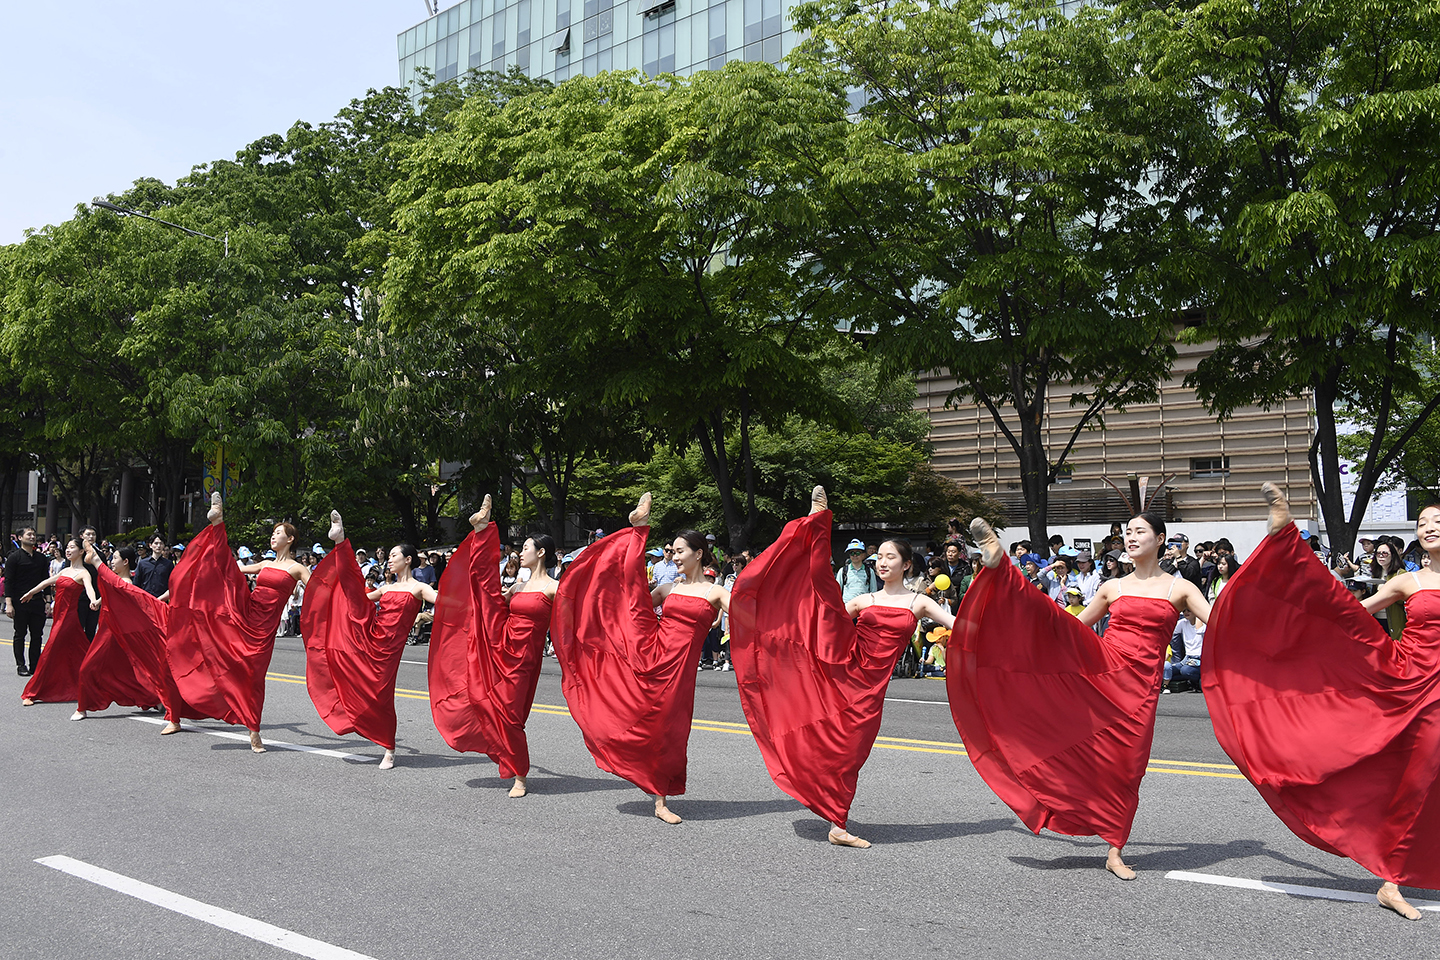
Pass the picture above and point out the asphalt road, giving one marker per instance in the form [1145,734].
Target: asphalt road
[432,859]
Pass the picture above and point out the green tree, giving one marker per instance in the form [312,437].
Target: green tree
[1416,466]
[657,227]
[994,214]
[1316,184]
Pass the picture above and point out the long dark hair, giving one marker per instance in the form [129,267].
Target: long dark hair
[696,541]
[1155,523]
[1231,562]
[409,552]
[1395,565]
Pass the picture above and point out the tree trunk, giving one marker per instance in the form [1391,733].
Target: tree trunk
[1325,468]
[1035,478]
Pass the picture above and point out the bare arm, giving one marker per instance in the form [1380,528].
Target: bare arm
[938,612]
[1194,601]
[88,583]
[42,585]
[859,603]
[251,568]
[658,594]
[427,593]
[1391,592]
[1096,609]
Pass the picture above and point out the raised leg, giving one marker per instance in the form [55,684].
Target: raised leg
[216,514]
[1115,865]
[481,518]
[1279,517]
[640,516]
[662,811]
[1390,898]
[818,500]
[984,536]
[337,527]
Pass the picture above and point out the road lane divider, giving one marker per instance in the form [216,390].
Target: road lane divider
[1292,889]
[278,744]
[266,933]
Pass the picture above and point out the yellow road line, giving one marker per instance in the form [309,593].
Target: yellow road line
[881,743]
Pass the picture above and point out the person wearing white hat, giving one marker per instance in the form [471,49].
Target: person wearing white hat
[855,577]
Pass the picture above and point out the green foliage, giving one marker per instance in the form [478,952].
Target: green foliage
[992,214]
[1416,465]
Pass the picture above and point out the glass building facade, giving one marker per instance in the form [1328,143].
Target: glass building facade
[558,39]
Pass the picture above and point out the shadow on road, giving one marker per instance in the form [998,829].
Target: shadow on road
[698,809]
[1159,857]
[897,834]
[550,783]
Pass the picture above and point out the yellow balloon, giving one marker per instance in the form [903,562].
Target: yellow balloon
[942,582]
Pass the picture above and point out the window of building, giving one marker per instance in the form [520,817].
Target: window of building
[762,20]
[477,45]
[522,23]
[1209,468]
[658,47]
[718,41]
[562,15]
[497,49]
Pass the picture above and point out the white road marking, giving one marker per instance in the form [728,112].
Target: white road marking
[1293,889]
[215,916]
[245,737]
[944,703]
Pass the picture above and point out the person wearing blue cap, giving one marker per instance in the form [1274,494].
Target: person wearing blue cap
[855,576]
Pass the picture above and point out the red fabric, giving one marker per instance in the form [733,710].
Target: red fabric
[1336,725]
[138,622]
[107,674]
[629,680]
[352,650]
[222,634]
[57,672]
[1057,720]
[812,682]
[485,656]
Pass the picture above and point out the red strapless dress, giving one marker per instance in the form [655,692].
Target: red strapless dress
[108,674]
[629,680]
[222,634]
[137,622]
[485,656]
[1336,724]
[1057,720]
[812,682]
[353,648]
[57,672]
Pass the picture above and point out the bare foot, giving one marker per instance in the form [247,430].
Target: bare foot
[662,811]
[27,702]
[78,715]
[216,514]
[989,544]
[1390,898]
[1279,517]
[388,761]
[519,789]
[256,744]
[818,500]
[1115,865]
[169,728]
[640,516]
[337,527]
[841,837]
[481,518]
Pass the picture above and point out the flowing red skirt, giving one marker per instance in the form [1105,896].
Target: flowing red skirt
[1336,724]
[57,672]
[352,649]
[1057,720]
[137,622]
[222,634]
[629,680]
[485,656]
[108,674]
[812,682]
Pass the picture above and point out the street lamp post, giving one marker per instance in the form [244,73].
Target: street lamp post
[127,212]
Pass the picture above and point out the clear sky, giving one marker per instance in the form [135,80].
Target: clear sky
[100,93]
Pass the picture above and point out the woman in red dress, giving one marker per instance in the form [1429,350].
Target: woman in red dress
[1335,723]
[486,646]
[354,638]
[222,634]
[630,680]
[109,673]
[57,672]
[812,669]
[1058,720]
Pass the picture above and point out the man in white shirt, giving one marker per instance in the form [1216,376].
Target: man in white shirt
[1186,645]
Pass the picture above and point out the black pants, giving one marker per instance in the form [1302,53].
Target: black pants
[29,616]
